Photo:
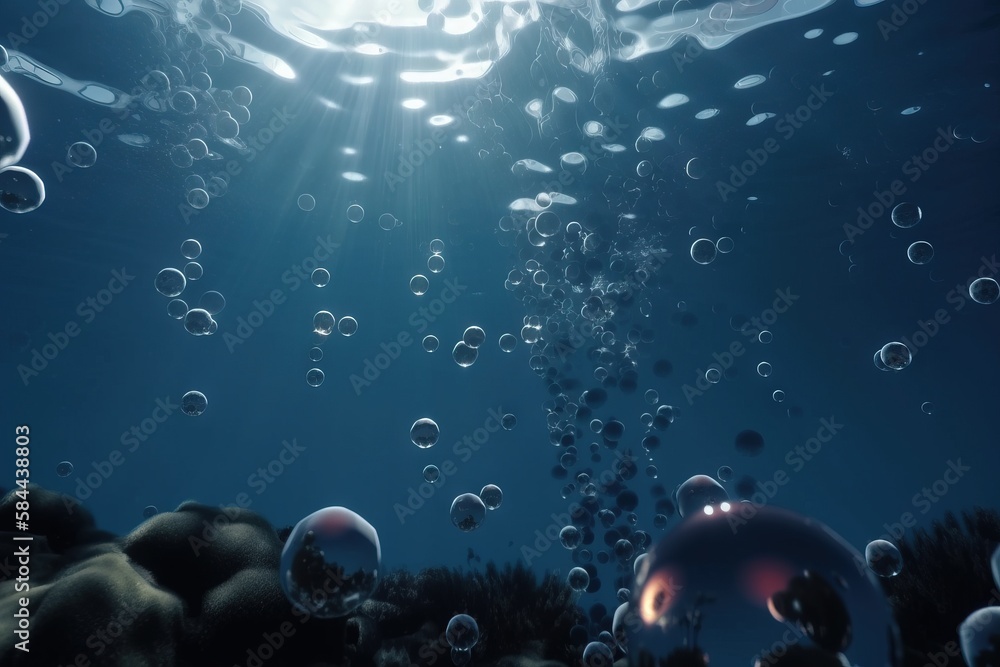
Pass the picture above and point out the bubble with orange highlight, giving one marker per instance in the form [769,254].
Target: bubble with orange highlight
[756,585]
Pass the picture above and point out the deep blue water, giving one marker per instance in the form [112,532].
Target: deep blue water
[126,214]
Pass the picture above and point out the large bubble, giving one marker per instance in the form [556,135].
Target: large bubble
[980,637]
[170,282]
[895,356]
[14,135]
[199,322]
[330,563]
[698,493]
[883,558]
[984,291]
[468,512]
[213,302]
[474,336]
[578,579]
[597,654]
[920,252]
[419,284]
[703,251]
[492,496]
[348,326]
[81,154]
[424,433]
[21,190]
[462,632]
[193,403]
[760,585]
[323,322]
[906,215]
[464,354]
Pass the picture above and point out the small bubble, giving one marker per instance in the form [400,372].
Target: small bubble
[320,277]
[419,284]
[315,377]
[193,403]
[355,213]
[307,202]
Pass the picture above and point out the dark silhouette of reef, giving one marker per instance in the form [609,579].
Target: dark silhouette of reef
[199,587]
[946,576]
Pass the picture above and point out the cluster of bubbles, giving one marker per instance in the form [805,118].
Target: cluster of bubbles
[324,324]
[466,351]
[468,510]
[330,563]
[172,282]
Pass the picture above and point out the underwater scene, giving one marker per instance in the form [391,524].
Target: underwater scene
[500,333]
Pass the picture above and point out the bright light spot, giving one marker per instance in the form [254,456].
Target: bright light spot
[354,176]
[441,120]
[709,510]
[414,103]
[350,151]
[462,139]
[329,104]
[674,100]
[357,80]
[725,507]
